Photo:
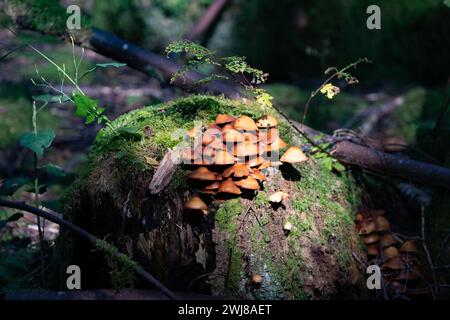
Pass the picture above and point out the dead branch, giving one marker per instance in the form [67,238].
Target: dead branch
[87,236]
[207,20]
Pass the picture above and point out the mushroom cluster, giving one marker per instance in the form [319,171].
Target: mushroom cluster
[398,259]
[230,156]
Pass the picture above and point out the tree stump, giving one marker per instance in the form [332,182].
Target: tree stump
[219,253]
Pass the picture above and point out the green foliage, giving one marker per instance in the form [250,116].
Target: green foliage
[10,186]
[88,108]
[55,170]
[37,142]
[235,68]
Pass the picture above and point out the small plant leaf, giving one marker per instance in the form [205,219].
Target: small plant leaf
[10,186]
[111,64]
[328,163]
[84,105]
[37,142]
[55,170]
[338,166]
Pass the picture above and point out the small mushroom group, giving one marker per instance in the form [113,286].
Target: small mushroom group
[399,261]
[230,156]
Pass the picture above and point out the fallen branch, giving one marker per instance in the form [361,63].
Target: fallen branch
[207,20]
[87,236]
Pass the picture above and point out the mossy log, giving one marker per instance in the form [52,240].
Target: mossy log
[219,253]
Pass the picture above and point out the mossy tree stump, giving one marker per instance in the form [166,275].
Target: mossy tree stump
[238,238]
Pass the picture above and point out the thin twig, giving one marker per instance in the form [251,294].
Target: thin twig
[427,253]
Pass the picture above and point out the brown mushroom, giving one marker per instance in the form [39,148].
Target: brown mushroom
[202,173]
[277,145]
[367,226]
[278,197]
[371,238]
[390,252]
[408,247]
[267,121]
[255,161]
[258,175]
[249,183]
[196,204]
[257,279]
[223,157]
[232,135]
[264,165]
[210,135]
[395,263]
[238,170]
[388,240]
[406,275]
[372,249]
[228,186]
[382,224]
[224,119]
[245,123]
[245,149]
[293,155]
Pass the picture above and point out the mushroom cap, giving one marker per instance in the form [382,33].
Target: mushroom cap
[388,240]
[251,136]
[238,170]
[223,157]
[293,155]
[224,119]
[264,165]
[249,183]
[193,132]
[278,197]
[203,173]
[395,263]
[245,123]
[408,246]
[258,175]
[257,279]
[267,121]
[382,224]
[366,226]
[268,136]
[277,145]
[228,186]
[359,217]
[195,203]
[406,275]
[213,186]
[371,238]
[287,226]
[372,249]
[390,252]
[255,161]
[245,149]
[210,135]
[232,135]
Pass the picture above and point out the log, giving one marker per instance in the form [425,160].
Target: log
[208,19]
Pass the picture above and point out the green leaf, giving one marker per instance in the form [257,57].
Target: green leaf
[37,142]
[111,64]
[50,98]
[10,186]
[3,214]
[84,105]
[328,163]
[129,132]
[55,170]
[338,166]
[41,189]
[447,3]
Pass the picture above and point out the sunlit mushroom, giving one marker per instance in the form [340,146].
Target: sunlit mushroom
[232,135]
[293,155]
[382,224]
[248,183]
[257,279]
[408,247]
[223,157]
[228,186]
[238,170]
[258,175]
[224,119]
[267,121]
[287,227]
[245,123]
[390,252]
[278,197]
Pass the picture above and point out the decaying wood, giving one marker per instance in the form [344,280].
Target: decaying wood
[163,175]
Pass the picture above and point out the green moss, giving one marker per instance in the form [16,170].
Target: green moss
[227,213]
[261,199]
